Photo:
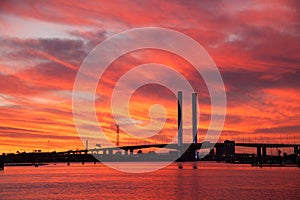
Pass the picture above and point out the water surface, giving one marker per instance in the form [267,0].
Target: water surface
[209,181]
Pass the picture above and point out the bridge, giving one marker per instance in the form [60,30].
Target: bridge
[187,149]
[226,148]
[179,151]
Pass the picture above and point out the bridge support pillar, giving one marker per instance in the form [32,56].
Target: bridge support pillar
[104,152]
[1,163]
[212,152]
[264,151]
[126,152]
[110,152]
[131,151]
[296,150]
[258,151]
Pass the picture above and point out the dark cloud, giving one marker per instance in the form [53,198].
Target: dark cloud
[51,75]
[250,80]
[68,50]
[242,85]
[280,129]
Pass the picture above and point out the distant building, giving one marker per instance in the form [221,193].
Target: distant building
[226,149]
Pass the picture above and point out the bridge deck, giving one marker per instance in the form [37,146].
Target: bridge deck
[185,146]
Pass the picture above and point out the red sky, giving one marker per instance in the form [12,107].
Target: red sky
[255,45]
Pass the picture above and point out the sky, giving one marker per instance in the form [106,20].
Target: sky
[254,44]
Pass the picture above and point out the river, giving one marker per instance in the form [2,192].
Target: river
[97,181]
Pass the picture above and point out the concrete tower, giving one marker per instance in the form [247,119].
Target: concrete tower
[195,117]
[179,101]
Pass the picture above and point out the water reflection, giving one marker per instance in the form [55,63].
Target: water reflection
[96,181]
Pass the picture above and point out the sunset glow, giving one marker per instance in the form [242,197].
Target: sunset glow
[255,46]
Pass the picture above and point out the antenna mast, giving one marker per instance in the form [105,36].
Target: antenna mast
[118,132]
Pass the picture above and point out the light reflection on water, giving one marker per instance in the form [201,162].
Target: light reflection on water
[209,181]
